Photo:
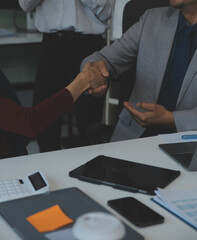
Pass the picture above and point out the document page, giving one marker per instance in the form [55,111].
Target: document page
[181,203]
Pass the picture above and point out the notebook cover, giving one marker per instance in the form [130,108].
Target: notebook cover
[71,200]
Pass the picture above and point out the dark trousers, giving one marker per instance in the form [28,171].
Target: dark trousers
[60,60]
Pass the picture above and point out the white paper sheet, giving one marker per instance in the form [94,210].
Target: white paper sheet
[182,203]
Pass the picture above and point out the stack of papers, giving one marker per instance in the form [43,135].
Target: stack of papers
[181,203]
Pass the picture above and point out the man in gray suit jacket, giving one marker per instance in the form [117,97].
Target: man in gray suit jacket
[164,97]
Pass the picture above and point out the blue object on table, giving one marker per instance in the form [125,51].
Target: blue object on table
[190,136]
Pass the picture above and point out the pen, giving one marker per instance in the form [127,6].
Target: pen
[191,136]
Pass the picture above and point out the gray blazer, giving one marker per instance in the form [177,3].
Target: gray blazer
[149,43]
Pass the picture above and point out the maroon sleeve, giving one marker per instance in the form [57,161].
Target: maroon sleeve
[31,121]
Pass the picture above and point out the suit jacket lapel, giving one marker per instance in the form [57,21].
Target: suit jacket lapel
[191,71]
[165,41]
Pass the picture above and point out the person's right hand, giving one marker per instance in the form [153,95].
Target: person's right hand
[102,68]
[99,91]
[93,78]
[100,75]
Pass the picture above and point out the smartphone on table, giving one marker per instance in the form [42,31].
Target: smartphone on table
[135,211]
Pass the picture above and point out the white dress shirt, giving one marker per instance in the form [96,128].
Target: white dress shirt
[85,16]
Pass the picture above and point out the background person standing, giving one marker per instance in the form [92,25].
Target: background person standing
[73,29]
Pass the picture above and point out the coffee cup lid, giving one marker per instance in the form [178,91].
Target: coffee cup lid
[98,226]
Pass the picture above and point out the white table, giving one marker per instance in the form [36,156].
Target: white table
[56,165]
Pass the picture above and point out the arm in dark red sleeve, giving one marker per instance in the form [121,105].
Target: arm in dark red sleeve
[31,121]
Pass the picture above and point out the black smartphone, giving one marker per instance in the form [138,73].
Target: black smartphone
[135,211]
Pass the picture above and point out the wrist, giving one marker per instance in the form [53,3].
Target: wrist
[170,119]
[78,86]
[83,81]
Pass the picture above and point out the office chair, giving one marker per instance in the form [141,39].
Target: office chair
[133,10]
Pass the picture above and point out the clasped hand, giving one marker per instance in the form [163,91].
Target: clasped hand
[97,74]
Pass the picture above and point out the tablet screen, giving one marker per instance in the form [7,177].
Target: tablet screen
[124,174]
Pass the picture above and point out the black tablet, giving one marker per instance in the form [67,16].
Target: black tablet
[125,175]
[184,153]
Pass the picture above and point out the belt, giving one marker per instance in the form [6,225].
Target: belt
[63,33]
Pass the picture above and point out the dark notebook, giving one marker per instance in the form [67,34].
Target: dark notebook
[71,200]
[125,175]
[184,153]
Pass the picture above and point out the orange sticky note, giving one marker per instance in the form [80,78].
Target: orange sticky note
[49,219]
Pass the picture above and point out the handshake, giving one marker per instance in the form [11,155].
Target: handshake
[96,74]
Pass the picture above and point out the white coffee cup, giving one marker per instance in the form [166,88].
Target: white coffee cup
[98,226]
